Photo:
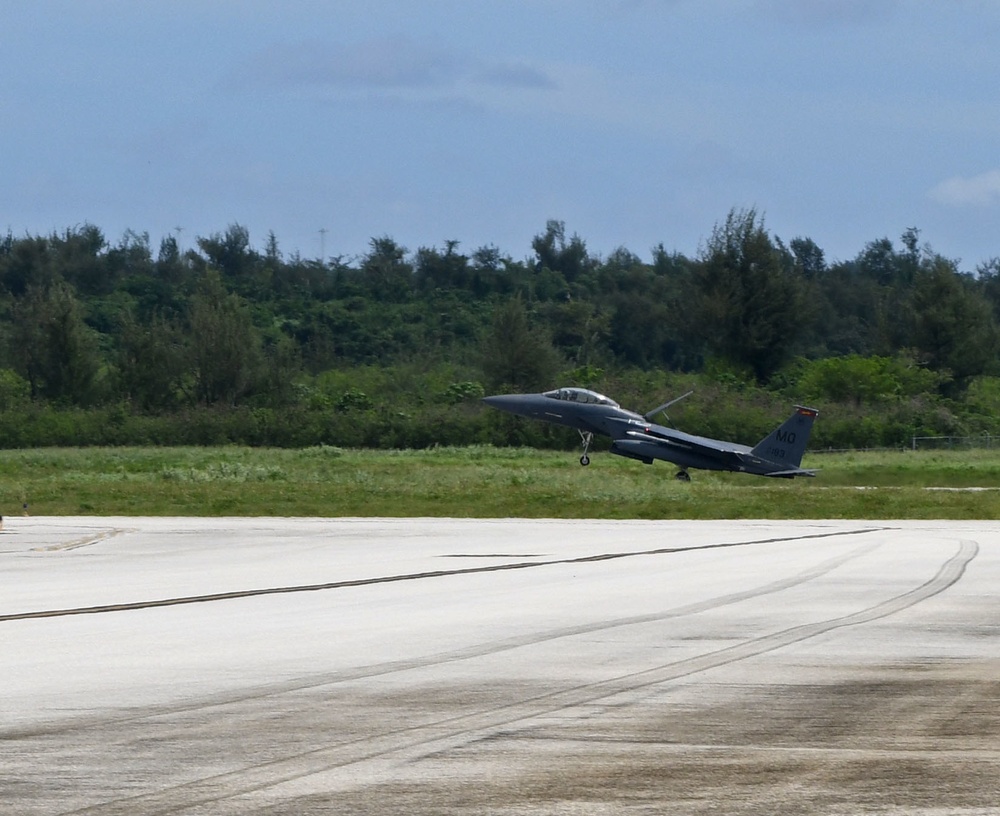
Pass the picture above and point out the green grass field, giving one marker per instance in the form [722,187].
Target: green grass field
[484,482]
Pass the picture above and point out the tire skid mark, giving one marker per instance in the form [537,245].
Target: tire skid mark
[369,758]
[415,576]
[85,541]
[467,653]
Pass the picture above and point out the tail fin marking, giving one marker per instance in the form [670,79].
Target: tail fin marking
[788,441]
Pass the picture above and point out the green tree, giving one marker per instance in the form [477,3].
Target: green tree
[809,258]
[132,257]
[865,380]
[230,252]
[516,355]
[638,329]
[14,390]
[27,262]
[567,258]
[54,349]
[170,265]
[954,327]
[282,363]
[225,345]
[750,303]
[848,379]
[151,362]
[81,260]
[988,283]
[441,270]
[885,287]
[579,329]
[385,271]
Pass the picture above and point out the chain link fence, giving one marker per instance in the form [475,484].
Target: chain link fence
[983,440]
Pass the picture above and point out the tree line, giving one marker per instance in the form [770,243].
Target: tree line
[113,342]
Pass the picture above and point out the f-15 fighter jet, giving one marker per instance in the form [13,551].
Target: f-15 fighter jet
[636,436]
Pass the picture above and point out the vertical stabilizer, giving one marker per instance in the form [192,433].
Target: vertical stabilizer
[787,442]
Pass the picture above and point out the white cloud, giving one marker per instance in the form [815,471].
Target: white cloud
[386,63]
[377,63]
[978,191]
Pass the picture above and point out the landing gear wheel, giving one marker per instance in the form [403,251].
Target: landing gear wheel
[585,460]
[682,476]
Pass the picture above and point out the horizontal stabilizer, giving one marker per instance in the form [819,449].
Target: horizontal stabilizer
[788,474]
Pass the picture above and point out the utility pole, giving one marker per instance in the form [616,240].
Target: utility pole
[322,245]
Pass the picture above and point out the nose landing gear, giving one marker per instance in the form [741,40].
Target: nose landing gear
[587,437]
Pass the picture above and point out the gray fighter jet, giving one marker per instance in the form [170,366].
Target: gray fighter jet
[635,436]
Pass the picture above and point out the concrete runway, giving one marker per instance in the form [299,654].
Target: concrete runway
[215,667]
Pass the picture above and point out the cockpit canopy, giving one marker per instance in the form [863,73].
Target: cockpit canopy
[581,395]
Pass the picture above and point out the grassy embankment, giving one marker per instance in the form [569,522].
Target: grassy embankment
[483,482]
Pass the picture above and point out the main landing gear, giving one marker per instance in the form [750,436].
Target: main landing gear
[682,476]
[587,437]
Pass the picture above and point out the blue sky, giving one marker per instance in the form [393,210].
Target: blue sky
[635,122]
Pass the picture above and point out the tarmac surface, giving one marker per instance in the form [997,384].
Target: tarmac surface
[214,667]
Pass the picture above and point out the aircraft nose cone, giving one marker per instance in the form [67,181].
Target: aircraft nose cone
[504,401]
[513,403]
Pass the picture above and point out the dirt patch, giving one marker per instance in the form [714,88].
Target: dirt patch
[899,739]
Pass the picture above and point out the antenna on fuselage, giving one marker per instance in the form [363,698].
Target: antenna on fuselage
[650,414]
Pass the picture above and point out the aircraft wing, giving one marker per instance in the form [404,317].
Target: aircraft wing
[684,450]
[670,439]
